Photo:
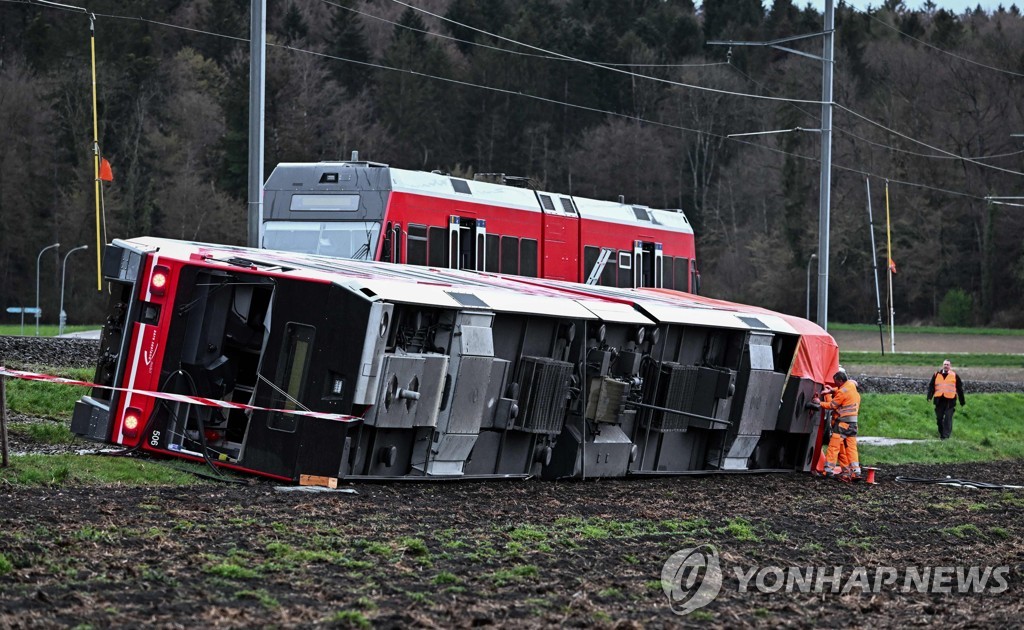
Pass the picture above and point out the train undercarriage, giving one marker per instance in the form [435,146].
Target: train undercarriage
[437,374]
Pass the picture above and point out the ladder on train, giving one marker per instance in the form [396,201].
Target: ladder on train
[602,260]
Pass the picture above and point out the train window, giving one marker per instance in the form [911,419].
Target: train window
[682,272]
[324,203]
[385,254]
[567,205]
[590,255]
[461,186]
[510,255]
[626,260]
[341,239]
[291,376]
[546,202]
[625,271]
[492,253]
[609,273]
[666,279]
[437,247]
[528,257]
[416,248]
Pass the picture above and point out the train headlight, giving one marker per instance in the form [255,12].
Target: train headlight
[158,282]
[131,423]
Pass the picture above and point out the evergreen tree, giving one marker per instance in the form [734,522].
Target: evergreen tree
[348,41]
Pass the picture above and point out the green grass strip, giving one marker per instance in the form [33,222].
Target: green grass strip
[990,427]
[59,470]
[930,330]
[916,359]
[45,330]
[47,400]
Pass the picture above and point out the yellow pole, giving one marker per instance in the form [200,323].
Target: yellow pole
[888,252]
[95,150]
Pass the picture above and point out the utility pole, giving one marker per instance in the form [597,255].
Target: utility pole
[825,196]
[257,94]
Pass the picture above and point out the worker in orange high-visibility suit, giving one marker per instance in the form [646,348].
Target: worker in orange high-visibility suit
[844,403]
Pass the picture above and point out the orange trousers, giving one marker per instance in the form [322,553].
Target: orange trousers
[842,449]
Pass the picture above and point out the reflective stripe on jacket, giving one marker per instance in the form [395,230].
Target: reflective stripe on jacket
[845,401]
[945,386]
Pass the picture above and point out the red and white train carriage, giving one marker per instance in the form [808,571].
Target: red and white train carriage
[439,373]
[370,211]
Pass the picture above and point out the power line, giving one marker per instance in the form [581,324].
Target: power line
[518,52]
[879,144]
[757,96]
[858,171]
[530,96]
[925,144]
[936,48]
[606,67]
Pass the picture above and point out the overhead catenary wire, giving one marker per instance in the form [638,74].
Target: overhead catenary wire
[880,145]
[606,67]
[515,52]
[532,97]
[634,118]
[934,47]
[772,98]
[925,144]
[944,153]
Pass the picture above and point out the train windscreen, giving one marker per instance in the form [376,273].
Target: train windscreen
[356,240]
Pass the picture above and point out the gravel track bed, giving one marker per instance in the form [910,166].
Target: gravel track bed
[52,351]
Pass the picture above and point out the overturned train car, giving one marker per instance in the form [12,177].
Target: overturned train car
[439,373]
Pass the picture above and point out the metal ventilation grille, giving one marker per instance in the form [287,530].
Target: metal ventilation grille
[544,390]
[676,390]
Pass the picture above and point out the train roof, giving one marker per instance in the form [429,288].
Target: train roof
[458,289]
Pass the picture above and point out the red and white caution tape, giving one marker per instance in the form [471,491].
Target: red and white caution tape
[182,398]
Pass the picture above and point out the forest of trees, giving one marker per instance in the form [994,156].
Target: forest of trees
[423,90]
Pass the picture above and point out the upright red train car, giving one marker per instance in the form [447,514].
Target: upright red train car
[370,211]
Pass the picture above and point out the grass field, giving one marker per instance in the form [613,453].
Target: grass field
[933,359]
[47,400]
[44,330]
[58,470]
[989,427]
[932,330]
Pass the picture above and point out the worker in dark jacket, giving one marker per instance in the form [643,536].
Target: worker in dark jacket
[944,389]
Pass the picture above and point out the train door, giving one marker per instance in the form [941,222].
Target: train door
[647,264]
[391,247]
[560,253]
[467,243]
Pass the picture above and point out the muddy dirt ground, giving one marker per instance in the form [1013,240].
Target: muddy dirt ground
[521,553]
[513,553]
